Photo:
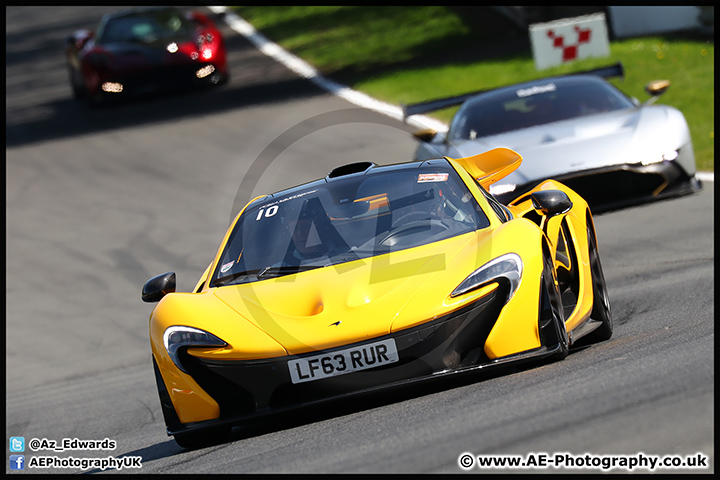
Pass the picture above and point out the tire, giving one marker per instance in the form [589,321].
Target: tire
[218,79]
[601,301]
[553,332]
[94,99]
[205,438]
[76,83]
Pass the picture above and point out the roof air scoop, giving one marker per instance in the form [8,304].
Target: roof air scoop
[350,168]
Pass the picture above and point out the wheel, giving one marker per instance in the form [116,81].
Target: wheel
[214,436]
[94,99]
[76,83]
[601,300]
[553,332]
[218,78]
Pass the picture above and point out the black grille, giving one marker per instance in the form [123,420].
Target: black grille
[615,186]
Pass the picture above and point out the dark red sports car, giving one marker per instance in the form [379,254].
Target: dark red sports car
[145,50]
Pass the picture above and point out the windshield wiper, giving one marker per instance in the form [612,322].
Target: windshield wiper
[286,270]
[265,272]
[223,280]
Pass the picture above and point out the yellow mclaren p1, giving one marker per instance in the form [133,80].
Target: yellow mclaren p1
[373,277]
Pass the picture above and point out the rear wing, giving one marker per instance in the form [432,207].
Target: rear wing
[491,166]
[609,71]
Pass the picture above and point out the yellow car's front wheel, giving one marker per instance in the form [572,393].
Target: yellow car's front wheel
[601,302]
[552,320]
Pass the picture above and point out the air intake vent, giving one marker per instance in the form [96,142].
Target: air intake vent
[350,169]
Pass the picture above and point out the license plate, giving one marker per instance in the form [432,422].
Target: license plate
[343,361]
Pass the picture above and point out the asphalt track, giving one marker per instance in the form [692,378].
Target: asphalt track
[97,201]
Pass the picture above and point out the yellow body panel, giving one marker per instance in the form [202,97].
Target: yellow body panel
[193,310]
[370,297]
[577,224]
[516,329]
[191,402]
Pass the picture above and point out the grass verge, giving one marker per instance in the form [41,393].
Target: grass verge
[405,55]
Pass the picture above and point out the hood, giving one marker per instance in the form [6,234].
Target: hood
[614,138]
[355,301]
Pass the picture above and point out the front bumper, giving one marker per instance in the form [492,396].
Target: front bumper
[161,79]
[249,389]
[619,186]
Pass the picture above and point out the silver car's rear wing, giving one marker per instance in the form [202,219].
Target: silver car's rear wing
[609,71]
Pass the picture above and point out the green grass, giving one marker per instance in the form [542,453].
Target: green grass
[405,55]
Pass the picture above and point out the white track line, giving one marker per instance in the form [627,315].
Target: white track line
[305,70]
[706,176]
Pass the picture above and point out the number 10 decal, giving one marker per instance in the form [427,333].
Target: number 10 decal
[268,213]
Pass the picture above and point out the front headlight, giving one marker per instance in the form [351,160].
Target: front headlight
[668,156]
[671,155]
[180,336]
[205,71]
[506,267]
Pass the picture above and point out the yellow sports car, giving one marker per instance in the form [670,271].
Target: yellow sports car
[373,277]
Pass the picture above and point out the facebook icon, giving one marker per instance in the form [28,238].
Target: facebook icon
[17,462]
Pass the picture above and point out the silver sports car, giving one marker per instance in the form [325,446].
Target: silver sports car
[579,129]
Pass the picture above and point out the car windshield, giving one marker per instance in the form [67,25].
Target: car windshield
[143,26]
[517,107]
[348,218]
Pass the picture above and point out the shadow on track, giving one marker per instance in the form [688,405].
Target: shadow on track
[71,117]
[337,408]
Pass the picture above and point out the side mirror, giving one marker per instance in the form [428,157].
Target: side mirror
[425,135]
[80,38]
[657,87]
[551,202]
[159,286]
